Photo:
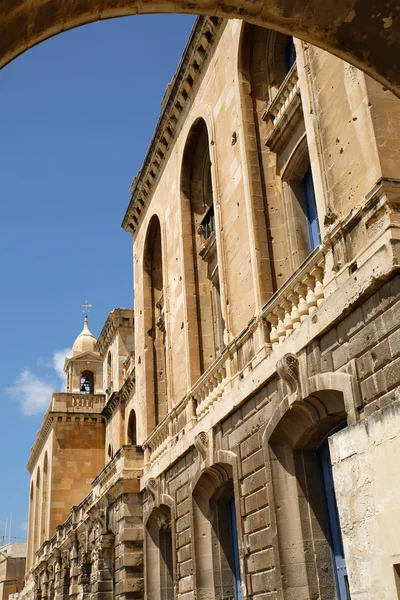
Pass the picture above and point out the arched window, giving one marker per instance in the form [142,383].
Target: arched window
[132,437]
[31,527]
[109,371]
[154,318]
[159,555]
[201,260]
[36,542]
[216,537]
[45,499]
[87,382]
[109,452]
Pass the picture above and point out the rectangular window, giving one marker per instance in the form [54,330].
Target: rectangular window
[207,223]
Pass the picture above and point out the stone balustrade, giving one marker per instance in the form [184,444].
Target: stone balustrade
[77,402]
[289,89]
[157,442]
[301,295]
[210,387]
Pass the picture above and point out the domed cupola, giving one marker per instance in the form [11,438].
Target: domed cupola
[84,368]
[85,342]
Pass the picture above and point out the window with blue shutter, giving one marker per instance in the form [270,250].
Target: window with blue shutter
[332,515]
[311,210]
[234,548]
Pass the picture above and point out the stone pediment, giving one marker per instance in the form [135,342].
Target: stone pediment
[84,356]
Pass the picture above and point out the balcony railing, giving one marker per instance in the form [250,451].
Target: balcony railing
[289,89]
[284,112]
[77,402]
[299,297]
[210,387]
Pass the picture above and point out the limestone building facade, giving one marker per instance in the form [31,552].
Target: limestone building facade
[12,569]
[235,437]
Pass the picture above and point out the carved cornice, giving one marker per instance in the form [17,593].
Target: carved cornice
[40,441]
[117,318]
[176,98]
[121,397]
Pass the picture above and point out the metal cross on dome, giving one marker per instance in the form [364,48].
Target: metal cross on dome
[86,307]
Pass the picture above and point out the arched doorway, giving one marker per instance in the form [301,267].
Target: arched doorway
[159,555]
[216,545]
[308,528]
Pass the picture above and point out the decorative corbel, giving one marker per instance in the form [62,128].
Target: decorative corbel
[288,369]
[151,486]
[201,443]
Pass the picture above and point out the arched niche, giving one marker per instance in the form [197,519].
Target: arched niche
[132,429]
[37,517]
[45,500]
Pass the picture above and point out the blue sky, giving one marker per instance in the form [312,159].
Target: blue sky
[76,116]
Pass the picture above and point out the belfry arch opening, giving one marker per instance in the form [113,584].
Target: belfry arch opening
[87,382]
[304,497]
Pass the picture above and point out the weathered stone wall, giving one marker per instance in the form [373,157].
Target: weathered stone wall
[77,458]
[367,473]
[270,507]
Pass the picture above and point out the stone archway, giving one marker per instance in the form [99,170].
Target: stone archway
[366,33]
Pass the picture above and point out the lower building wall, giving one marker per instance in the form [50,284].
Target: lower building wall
[366,470]
[256,473]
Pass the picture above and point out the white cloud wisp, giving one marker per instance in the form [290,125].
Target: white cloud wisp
[34,393]
[59,357]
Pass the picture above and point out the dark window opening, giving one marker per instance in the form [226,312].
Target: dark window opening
[132,437]
[208,223]
[290,54]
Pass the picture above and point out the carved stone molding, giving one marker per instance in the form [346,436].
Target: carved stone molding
[289,370]
[201,443]
[152,487]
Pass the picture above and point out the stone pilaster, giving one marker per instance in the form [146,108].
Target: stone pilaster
[129,564]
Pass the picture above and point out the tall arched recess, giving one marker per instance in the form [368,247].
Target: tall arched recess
[264,60]
[205,321]
[154,322]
